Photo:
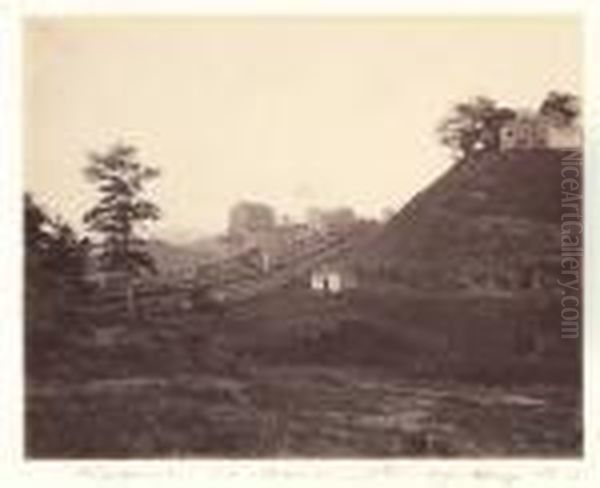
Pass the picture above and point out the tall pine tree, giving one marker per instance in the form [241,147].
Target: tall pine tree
[121,211]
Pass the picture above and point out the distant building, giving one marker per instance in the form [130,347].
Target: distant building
[246,219]
[332,279]
[531,131]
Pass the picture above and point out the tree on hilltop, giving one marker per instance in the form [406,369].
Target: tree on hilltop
[473,127]
[563,108]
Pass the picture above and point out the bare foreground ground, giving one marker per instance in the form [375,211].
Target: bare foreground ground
[299,412]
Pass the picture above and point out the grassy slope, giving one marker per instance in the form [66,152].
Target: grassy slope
[499,210]
[454,336]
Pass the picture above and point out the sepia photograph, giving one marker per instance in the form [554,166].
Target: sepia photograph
[303,238]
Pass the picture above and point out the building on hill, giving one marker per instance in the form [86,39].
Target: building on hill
[532,131]
[332,279]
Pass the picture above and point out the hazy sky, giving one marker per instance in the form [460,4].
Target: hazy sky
[295,113]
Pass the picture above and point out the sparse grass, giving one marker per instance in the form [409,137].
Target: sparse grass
[299,412]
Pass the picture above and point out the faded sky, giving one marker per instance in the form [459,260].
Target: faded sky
[295,113]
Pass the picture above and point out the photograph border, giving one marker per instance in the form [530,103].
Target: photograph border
[489,472]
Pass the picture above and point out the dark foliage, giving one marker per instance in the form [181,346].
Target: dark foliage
[55,262]
[563,108]
[53,251]
[122,208]
[474,127]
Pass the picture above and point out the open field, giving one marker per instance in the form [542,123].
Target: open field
[299,412]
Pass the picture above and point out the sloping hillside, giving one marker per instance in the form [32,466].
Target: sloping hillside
[489,222]
[462,282]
